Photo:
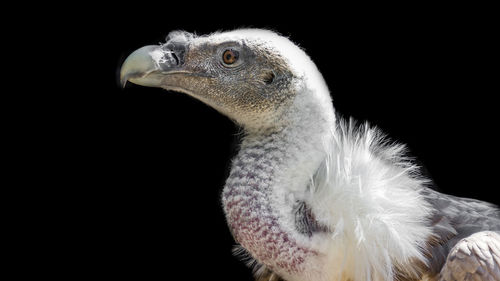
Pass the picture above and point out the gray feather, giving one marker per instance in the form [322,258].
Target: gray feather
[474,258]
[455,219]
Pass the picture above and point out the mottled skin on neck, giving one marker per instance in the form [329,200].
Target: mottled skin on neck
[265,195]
[250,201]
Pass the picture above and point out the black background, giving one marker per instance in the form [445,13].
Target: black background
[144,168]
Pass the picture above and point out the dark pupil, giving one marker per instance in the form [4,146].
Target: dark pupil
[229,56]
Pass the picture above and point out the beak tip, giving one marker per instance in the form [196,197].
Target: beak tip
[123,82]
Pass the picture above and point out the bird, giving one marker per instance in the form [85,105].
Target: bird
[311,196]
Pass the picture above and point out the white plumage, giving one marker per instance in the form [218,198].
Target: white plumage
[309,197]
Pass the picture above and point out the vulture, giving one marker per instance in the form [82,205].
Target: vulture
[310,197]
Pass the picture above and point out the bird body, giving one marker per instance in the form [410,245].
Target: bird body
[310,197]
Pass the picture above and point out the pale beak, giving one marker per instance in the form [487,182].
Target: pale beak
[147,66]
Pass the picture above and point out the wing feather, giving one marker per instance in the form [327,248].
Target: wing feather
[476,257]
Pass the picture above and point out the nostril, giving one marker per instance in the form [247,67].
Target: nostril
[174,56]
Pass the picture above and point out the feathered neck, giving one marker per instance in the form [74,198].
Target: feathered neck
[269,176]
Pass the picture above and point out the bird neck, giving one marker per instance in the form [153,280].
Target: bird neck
[269,175]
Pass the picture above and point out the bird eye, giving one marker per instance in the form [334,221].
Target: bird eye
[230,56]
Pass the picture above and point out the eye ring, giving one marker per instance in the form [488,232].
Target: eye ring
[230,56]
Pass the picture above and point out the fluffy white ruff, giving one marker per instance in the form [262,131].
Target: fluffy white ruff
[367,192]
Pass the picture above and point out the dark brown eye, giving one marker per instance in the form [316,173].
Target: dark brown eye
[230,56]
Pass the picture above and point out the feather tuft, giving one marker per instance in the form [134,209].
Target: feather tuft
[367,191]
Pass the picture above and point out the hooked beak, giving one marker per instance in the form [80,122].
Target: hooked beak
[148,65]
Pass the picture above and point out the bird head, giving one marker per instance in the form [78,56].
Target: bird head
[250,75]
